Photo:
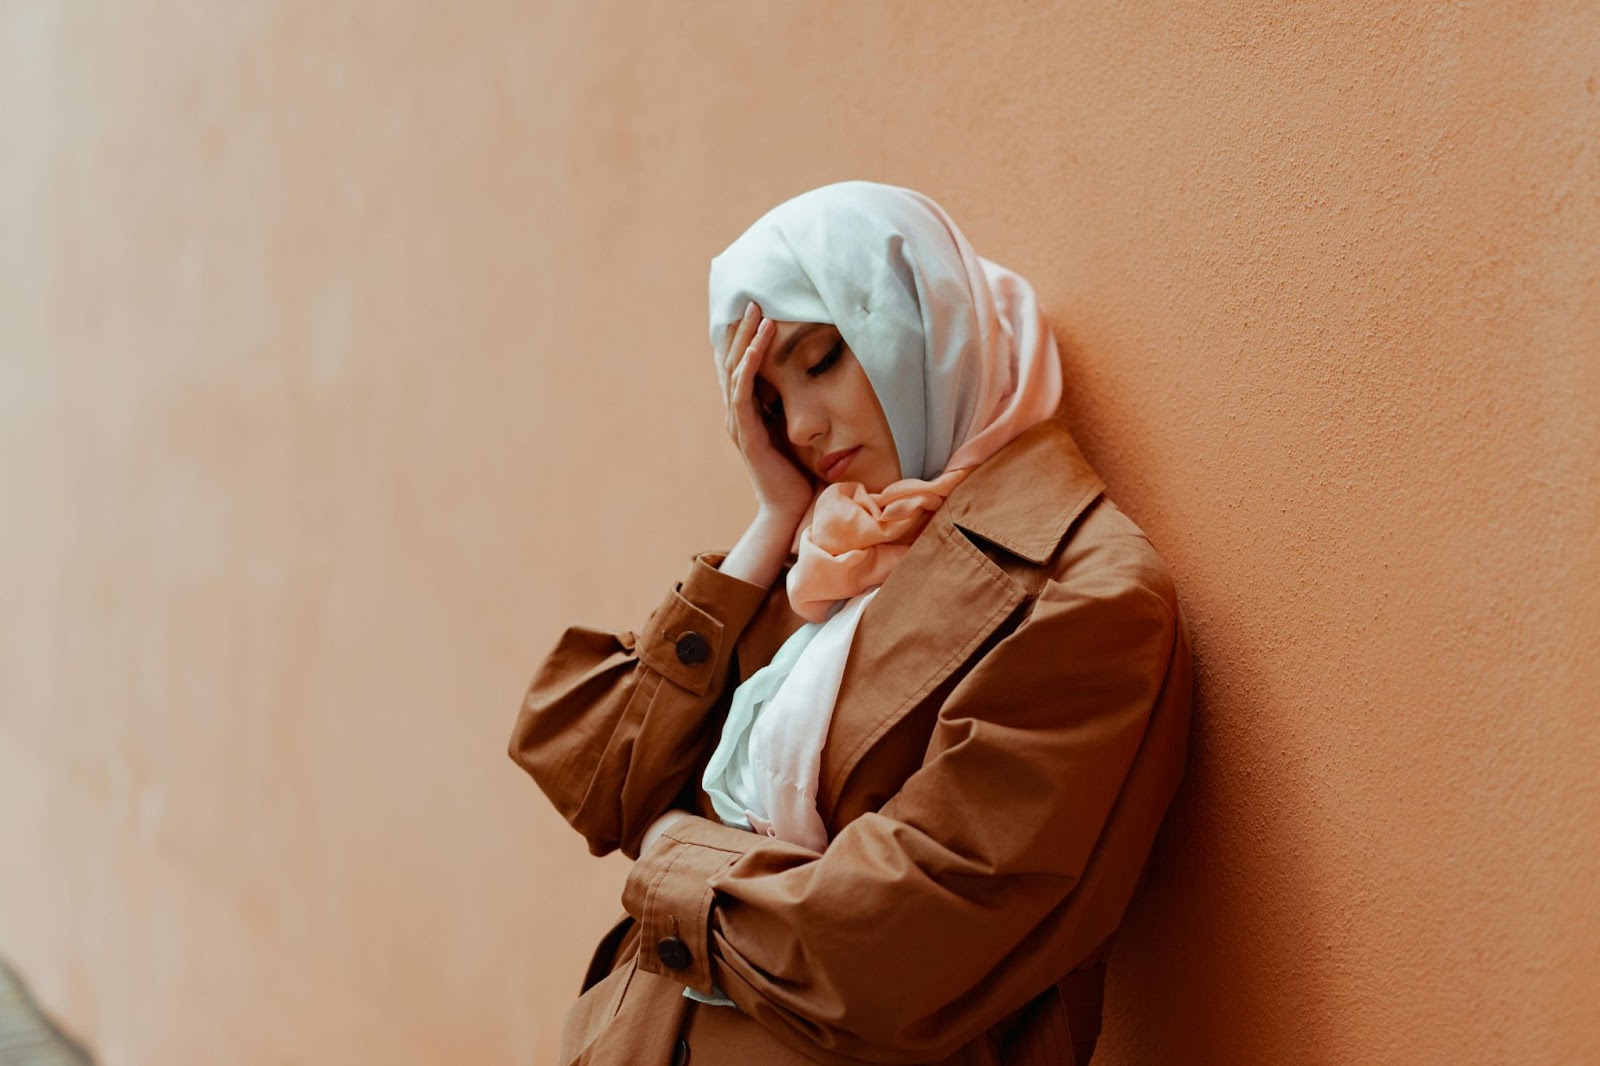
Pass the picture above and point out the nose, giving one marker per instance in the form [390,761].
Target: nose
[806,422]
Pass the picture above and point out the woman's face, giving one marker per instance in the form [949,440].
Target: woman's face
[816,400]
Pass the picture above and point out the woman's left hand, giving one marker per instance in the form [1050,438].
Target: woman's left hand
[657,827]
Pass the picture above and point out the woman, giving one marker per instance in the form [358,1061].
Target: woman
[890,767]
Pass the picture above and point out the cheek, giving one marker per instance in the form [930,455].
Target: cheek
[869,414]
[858,397]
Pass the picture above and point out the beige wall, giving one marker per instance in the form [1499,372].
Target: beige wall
[352,350]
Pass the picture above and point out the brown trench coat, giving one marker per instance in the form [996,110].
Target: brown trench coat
[1010,729]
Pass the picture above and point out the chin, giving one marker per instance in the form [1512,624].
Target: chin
[874,483]
[882,479]
[871,480]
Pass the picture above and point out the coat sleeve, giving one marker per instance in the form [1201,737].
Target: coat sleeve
[613,722]
[975,886]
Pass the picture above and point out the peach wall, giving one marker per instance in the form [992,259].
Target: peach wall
[352,350]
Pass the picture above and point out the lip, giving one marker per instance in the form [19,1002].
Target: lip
[833,463]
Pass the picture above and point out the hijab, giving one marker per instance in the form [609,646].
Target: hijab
[960,355]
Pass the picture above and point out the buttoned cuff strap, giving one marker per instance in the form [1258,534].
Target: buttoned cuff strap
[688,635]
[668,891]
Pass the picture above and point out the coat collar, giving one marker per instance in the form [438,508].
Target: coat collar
[943,599]
[1025,495]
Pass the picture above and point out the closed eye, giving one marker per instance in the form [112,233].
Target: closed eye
[770,414]
[828,360]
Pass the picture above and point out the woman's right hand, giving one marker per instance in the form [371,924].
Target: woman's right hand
[782,488]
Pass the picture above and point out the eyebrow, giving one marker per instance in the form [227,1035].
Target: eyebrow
[794,340]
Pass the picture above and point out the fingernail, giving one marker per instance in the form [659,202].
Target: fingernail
[749,308]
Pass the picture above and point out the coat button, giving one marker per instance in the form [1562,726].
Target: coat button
[693,648]
[680,1054]
[673,952]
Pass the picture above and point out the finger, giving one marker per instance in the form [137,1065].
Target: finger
[742,331]
[735,357]
[722,363]
[736,391]
[745,371]
[729,355]
[731,398]
[738,395]
[740,407]
[743,391]
[752,361]
[726,347]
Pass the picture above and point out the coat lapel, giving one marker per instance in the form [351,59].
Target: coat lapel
[939,603]
[943,599]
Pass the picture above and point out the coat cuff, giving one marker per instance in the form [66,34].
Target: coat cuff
[668,891]
[688,639]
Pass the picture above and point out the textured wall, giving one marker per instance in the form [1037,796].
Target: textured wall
[352,350]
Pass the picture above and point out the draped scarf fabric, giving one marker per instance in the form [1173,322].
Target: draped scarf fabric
[961,358]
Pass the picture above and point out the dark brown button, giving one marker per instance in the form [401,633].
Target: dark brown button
[673,952]
[680,1054]
[692,648]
